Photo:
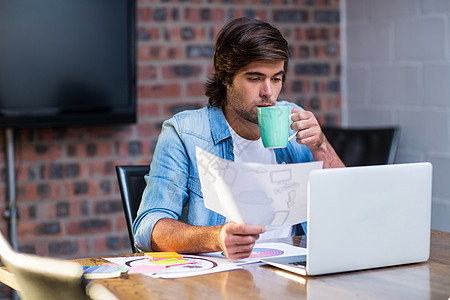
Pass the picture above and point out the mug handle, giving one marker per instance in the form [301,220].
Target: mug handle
[294,134]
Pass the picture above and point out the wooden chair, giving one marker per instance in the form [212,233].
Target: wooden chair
[364,146]
[43,278]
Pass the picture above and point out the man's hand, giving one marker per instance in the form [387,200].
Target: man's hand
[309,131]
[237,240]
[310,134]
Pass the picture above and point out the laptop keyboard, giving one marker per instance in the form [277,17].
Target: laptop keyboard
[298,263]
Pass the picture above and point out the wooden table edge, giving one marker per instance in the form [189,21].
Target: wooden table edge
[8,278]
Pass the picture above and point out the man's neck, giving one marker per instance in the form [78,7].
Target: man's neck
[243,128]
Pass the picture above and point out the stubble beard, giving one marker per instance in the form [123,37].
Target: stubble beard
[248,116]
[241,111]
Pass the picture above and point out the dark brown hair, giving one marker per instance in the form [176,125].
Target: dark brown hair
[240,42]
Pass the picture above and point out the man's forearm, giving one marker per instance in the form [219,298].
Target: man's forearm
[329,157]
[173,235]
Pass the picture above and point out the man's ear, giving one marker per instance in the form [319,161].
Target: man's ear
[225,83]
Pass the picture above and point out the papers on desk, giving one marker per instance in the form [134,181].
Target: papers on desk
[198,265]
[273,196]
[103,271]
[264,250]
[206,263]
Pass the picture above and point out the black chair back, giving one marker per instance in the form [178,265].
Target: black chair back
[132,185]
[364,146]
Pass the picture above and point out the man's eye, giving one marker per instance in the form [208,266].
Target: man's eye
[277,79]
[253,79]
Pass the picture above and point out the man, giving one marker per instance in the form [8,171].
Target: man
[250,64]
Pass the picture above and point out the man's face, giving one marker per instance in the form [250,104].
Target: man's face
[256,85]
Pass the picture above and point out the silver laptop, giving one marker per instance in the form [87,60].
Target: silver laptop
[365,217]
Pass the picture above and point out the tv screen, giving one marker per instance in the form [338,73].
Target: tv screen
[67,62]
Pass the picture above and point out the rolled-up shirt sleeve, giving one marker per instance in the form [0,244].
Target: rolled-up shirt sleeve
[166,191]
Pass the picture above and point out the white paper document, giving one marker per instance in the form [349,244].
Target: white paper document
[263,250]
[271,195]
[208,263]
[200,266]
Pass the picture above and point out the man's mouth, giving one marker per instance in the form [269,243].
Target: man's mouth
[265,104]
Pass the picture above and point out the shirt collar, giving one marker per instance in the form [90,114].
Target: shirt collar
[219,126]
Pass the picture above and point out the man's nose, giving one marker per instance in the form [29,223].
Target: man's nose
[266,89]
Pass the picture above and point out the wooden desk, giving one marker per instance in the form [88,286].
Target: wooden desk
[429,280]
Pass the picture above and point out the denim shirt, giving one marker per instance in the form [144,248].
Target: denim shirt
[173,182]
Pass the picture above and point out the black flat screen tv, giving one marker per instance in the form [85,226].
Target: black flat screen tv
[67,63]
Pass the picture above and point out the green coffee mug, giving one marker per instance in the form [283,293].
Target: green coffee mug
[274,126]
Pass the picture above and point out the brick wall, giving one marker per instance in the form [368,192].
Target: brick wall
[67,192]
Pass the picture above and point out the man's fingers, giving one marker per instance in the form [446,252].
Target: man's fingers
[239,251]
[308,133]
[237,240]
[299,115]
[243,229]
[240,240]
[308,129]
[240,255]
